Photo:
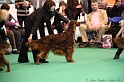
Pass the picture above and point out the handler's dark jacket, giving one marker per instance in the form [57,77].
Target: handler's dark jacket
[2,32]
[39,17]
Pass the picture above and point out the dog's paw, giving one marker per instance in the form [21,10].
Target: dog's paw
[71,61]
[38,63]
[38,60]
[8,70]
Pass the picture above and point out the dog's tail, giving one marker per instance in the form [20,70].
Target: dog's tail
[119,42]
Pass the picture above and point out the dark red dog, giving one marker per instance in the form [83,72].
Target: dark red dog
[3,61]
[60,44]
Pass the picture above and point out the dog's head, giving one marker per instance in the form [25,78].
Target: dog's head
[33,44]
[73,24]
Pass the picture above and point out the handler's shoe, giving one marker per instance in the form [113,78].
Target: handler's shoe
[116,57]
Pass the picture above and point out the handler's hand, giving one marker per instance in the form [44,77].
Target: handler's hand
[30,37]
[117,35]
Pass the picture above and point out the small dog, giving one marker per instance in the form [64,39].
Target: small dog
[60,44]
[119,42]
[3,61]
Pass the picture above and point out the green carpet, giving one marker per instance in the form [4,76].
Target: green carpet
[91,65]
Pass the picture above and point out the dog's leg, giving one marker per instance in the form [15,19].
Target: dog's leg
[44,57]
[69,59]
[38,59]
[39,56]
[8,66]
[69,55]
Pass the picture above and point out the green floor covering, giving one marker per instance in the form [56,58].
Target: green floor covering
[91,65]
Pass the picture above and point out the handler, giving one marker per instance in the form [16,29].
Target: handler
[33,22]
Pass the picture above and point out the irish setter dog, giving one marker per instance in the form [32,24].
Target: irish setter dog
[119,42]
[3,61]
[60,44]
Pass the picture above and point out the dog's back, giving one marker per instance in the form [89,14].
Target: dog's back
[51,41]
[60,39]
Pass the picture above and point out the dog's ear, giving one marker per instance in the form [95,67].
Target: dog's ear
[74,23]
